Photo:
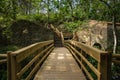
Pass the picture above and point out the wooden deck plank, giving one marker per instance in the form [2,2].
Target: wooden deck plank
[60,65]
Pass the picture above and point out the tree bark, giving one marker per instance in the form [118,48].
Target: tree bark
[114,30]
[114,34]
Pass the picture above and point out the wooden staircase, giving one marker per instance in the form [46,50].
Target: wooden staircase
[58,36]
[58,40]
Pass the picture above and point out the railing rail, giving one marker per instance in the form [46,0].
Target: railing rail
[27,59]
[3,58]
[116,58]
[81,52]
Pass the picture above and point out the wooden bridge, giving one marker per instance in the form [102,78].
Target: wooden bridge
[61,60]
[43,61]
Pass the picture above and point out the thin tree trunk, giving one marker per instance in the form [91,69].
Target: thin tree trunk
[114,34]
[114,30]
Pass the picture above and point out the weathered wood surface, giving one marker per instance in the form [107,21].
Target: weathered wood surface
[3,55]
[82,51]
[116,58]
[36,53]
[60,65]
[3,58]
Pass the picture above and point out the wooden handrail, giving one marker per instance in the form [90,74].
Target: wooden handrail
[116,58]
[3,55]
[79,50]
[62,37]
[35,55]
[3,61]
[3,58]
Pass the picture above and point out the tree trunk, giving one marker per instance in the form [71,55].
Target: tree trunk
[114,29]
[114,33]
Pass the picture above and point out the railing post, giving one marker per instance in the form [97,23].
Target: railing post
[81,59]
[8,66]
[11,66]
[104,66]
[62,38]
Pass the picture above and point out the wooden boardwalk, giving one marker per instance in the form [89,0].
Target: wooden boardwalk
[60,65]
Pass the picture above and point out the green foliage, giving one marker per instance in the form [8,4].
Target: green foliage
[34,17]
[3,72]
[3,49]
[70,12]
[91,72]
[72,26]
[115,72]
[24,17]
[93,62]
[7,33]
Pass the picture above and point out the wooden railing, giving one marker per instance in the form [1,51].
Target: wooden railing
[24,63]
[84,54]
[62,38]
[116,58]
[3,58]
